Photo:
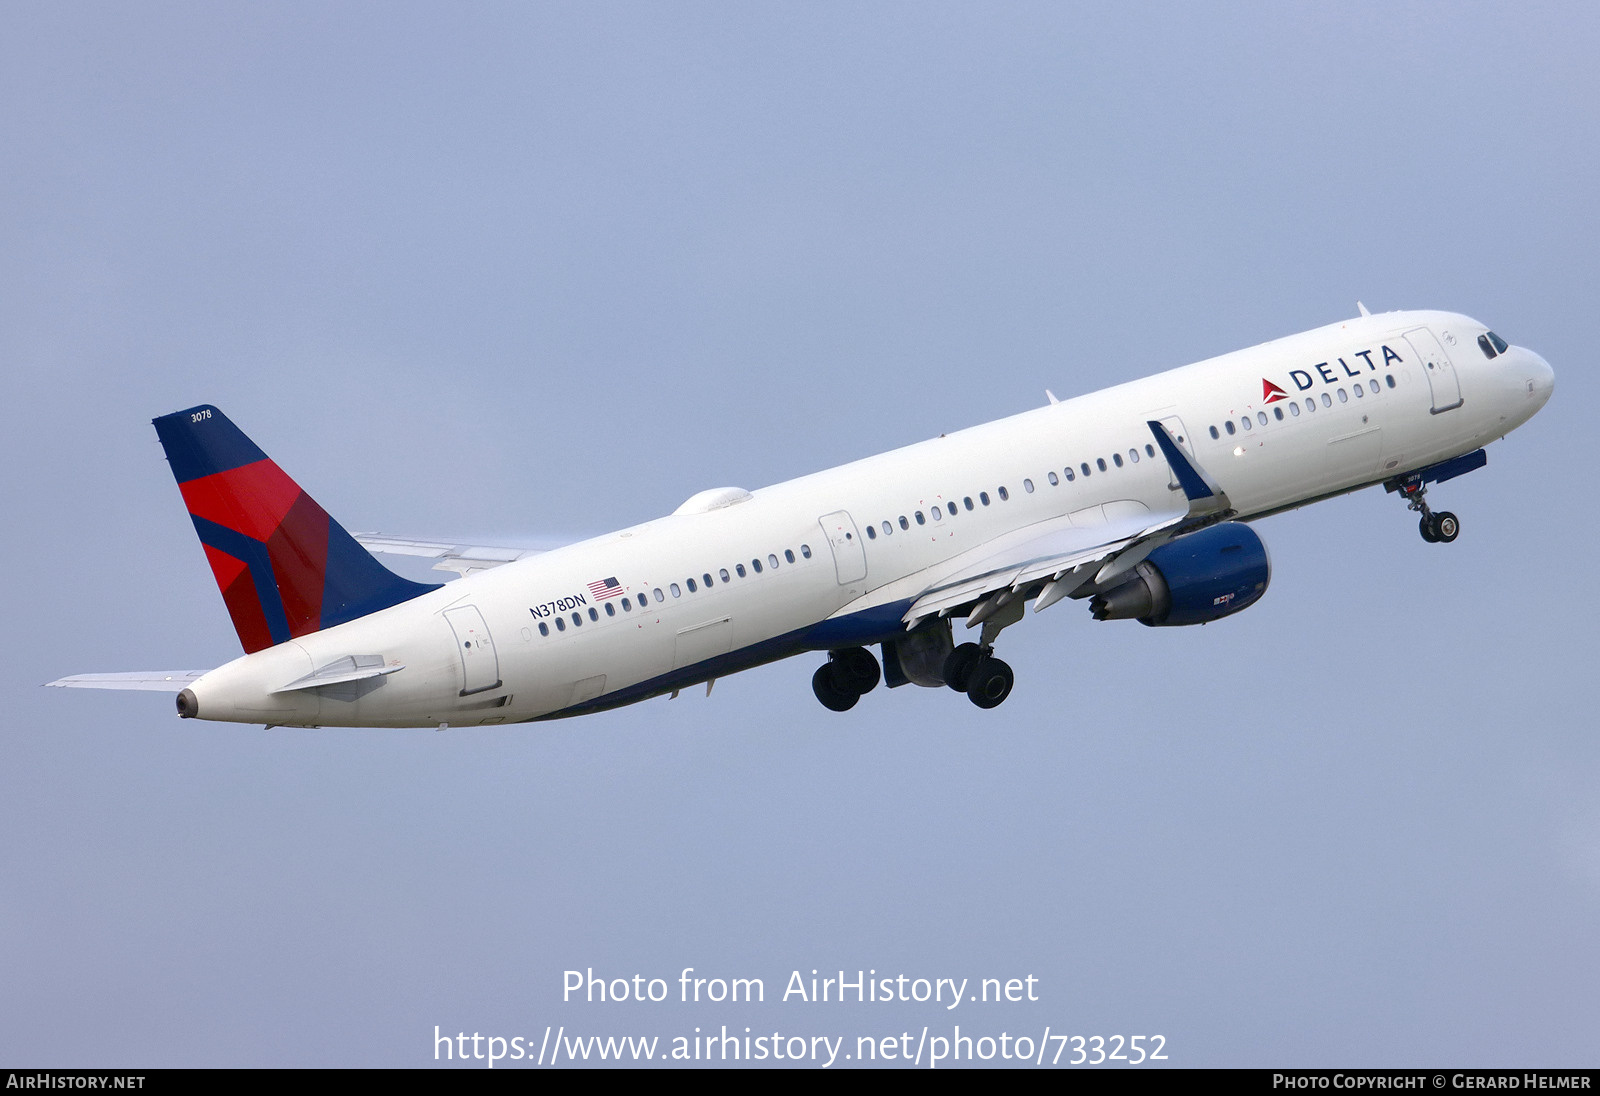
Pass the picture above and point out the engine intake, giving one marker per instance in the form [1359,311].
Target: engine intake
[1202,577]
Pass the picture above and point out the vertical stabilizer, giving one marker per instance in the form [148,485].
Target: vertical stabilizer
[284,566]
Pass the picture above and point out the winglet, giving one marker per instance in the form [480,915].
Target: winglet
[1200,489]
[285,568]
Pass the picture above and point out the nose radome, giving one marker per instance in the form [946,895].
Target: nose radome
[1541,379]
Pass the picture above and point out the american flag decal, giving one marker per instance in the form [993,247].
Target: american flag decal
[606,587]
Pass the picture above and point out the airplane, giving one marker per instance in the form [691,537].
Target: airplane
[1135,499]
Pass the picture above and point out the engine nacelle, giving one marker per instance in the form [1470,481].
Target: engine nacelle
[1198,578]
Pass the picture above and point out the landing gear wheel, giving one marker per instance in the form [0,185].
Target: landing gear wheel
[833,698]
[959,664]
[1425,527]
[990,683]
[854,670]
[1445,527]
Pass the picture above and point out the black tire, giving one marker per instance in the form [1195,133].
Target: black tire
[832,697]
[1425,527]
[854,670]
[990,684]
[958,666]
[1445,527]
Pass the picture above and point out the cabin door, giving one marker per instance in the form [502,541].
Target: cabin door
[849,557]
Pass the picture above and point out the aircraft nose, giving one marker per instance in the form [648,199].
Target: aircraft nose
[1541,379]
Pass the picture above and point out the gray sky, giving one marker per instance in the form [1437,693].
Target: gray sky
[540,271]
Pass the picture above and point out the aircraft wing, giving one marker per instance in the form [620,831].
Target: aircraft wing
[165,681]
[461,558]
[1097,543]
[1059,549]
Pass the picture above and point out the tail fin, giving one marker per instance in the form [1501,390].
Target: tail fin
[284,566]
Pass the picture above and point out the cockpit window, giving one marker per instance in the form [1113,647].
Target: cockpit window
[1499,343]
[1491,344]
[1483,345]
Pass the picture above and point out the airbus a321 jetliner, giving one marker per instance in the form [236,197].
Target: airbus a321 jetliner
[1132,498]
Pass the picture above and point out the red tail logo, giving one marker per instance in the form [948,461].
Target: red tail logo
[1271,393]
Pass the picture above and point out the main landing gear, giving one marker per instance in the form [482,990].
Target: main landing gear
[974,670]
[846,677]
[1436,528]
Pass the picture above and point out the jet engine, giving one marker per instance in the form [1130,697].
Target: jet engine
[1198,578]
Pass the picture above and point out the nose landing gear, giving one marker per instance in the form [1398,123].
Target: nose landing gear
[1436,528]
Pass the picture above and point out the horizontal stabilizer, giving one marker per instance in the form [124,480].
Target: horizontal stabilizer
[461,558]
[342,671]
[162,681]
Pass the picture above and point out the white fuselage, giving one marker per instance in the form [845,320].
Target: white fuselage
[834,585]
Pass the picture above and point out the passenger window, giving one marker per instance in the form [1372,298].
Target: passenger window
[1027,485]
[1245,422]
[1133,455]
[1343,397]
[1149,450]
[577,620]
[706,578]
[1229,427]
[1100,463]
[1004,495]
[904,524]
[1116,458]
[676,592]
[788,554]
[739,569]
[872,533]
[561,624]
[755,565]
[1068,473]
[659,595]
[772,561]
[724,574]
[1085,468]
[887,529]
[611,608]
[1261,417]
[626,607]
[1374,385]
[920,519]
[967,502]
[594,614]
[544,629]
[691,584]
[1214,434]
[1359,391]
[1311,404]
[1054,480]
[952,508]
[1327,400]
[983,497]
[805,551]
[1294,409]
[937,513]
[1389,380]
[1277,413]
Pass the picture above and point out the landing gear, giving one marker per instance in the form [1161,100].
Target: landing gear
[1440,528]
[990,682]
[973,670]
[848,675]
[959,664]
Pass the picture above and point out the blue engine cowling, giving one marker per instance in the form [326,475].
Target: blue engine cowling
[1198,578]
